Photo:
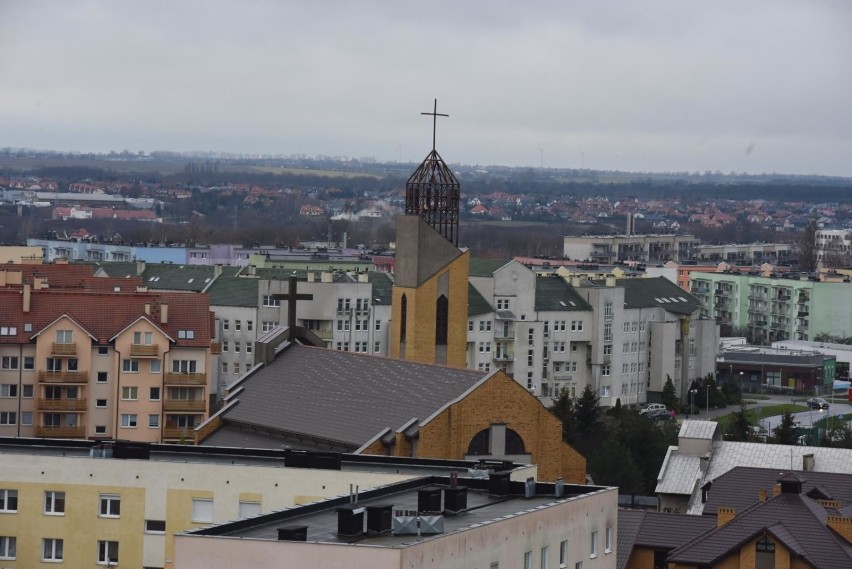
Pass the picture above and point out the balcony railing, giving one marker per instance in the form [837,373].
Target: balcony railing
[145,350]
[561,376]
[186,379]
[63,376]
[179,433]
[324,333]
[185,405]
[504,334]
[504,357]
[63,349]
[61,432]
[61,404]
[215,348]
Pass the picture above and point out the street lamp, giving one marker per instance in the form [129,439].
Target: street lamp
[692,393]
[708,400]
[741,385]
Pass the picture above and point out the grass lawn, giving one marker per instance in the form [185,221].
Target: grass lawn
[762,413]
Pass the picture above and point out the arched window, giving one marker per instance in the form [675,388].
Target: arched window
[765,553]
[514,443]
[484,442]
[442,318]
[480,443]
[403,317]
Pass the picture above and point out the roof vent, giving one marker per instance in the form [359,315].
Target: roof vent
[379,518]
[498,483]
[429,500]
[529,488]
[350,520]
[293,533]
[455,500]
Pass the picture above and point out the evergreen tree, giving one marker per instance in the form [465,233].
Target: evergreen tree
[739,429]
[565,410]
[785,433]
[613,465]
[669,394]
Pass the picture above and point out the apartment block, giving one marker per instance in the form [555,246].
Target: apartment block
[770,309]
[645,248]
[81,363]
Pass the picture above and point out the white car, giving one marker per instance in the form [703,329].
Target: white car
[652,407]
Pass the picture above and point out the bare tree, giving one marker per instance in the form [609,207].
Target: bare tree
[808,248]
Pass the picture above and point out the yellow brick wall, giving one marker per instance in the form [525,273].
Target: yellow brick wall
[420,316]
[641,558]
[502,400]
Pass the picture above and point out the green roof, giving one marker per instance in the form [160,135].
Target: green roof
[233,291]
[117,269]
[382,287]
[485,267]
[553,293]
[476,303]
[657,291]
[166,276]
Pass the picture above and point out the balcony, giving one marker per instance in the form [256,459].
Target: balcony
[149,350]
[186,379]
[504,357]
[61,404]
[179,433]
[779,325]
[562,376]
[757,296]
[63,376]
[504,334]
[803,312]
[61,432]
[185,405]
[215,348]
[63,349]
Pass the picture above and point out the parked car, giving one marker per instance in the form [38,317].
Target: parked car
[659,414]
[817,403]
[652,407]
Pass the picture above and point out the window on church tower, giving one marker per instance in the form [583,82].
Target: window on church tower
[441,320]
[403,317]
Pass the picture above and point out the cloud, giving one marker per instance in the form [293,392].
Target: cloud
[650,85]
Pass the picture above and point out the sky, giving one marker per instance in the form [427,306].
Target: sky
[753,86]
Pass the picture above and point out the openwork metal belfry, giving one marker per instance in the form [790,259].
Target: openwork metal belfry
[432,191]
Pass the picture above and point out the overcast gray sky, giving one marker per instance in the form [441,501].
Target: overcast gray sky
[644,85]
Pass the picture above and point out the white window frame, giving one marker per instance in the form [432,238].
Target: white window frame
[56,551]
[8,547]
[593,544]
[129,421]
[54,503]
[110,502]
[107,552]
[130,365]
[608,540]
[6,494]
[202,510]
[129,393]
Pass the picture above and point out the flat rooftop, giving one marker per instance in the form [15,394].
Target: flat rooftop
[321,518]
[271,458]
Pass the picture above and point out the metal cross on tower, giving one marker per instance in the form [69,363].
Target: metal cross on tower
[434,114]
[291,297]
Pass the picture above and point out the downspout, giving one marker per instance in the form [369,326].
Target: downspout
[117,393]
[163,394]
[20,386]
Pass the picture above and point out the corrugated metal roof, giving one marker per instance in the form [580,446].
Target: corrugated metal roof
[680,474]
[693,429]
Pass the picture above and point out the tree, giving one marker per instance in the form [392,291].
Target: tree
[785,433]
[566,411]
[613,465]
[838,437]
[669,394]
[739,429]
[588,409]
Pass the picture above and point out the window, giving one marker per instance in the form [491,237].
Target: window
[8,500]
[130,366]
[155,526]
[607,350]
[184,366]
[248,347]
[143,338]
[100,403]
[249,325]
[103,350]
[378,325]
[51,549]
[54,364]
[563,553]
[103,377]
[26,418]
[224,367]
[593,545]
[544,551]
[605,370]
[343,325]
[202,510]
[604,391]
[73,364]
[130,393]
[64,336]
[110,506]
[608,311]
[153,421]
[8,390]
[608,540]
[153,393]
[249,509]
[608,332]
[470,325]
[236,347]
[268,301]
[226,346]
[156,366]
[578,565]
[8,418]
[29,362]
[266,326]
[186,334]
[377,347]
[625,328]
[502,304]
[8,546]
[9,362]
[236,369]
[54,502]
[528,560]
[485,325]
[107,552]
[238,325]
[128,421]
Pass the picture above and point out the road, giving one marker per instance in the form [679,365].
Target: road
[804,419]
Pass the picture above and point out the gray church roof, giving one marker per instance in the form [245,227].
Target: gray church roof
[343,397]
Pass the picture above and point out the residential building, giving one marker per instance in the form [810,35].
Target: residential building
[701,456]
[82,363]
[18,255]
[87,250]
[834,247]
[771,308]
[86,503]
[475,523]
[652,249]
[746,253]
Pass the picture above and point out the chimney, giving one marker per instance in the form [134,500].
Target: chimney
[610,281]
[776,489]
[252,270]
[27,293]
[363,278]
[147,309]
[327,278]
[807,462]
[217,270]
[725,515]
[140,268]
[164,314]
[761,495]
[39,283]
[310,276]
[842,525]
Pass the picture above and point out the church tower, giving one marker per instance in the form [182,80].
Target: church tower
[429,305]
